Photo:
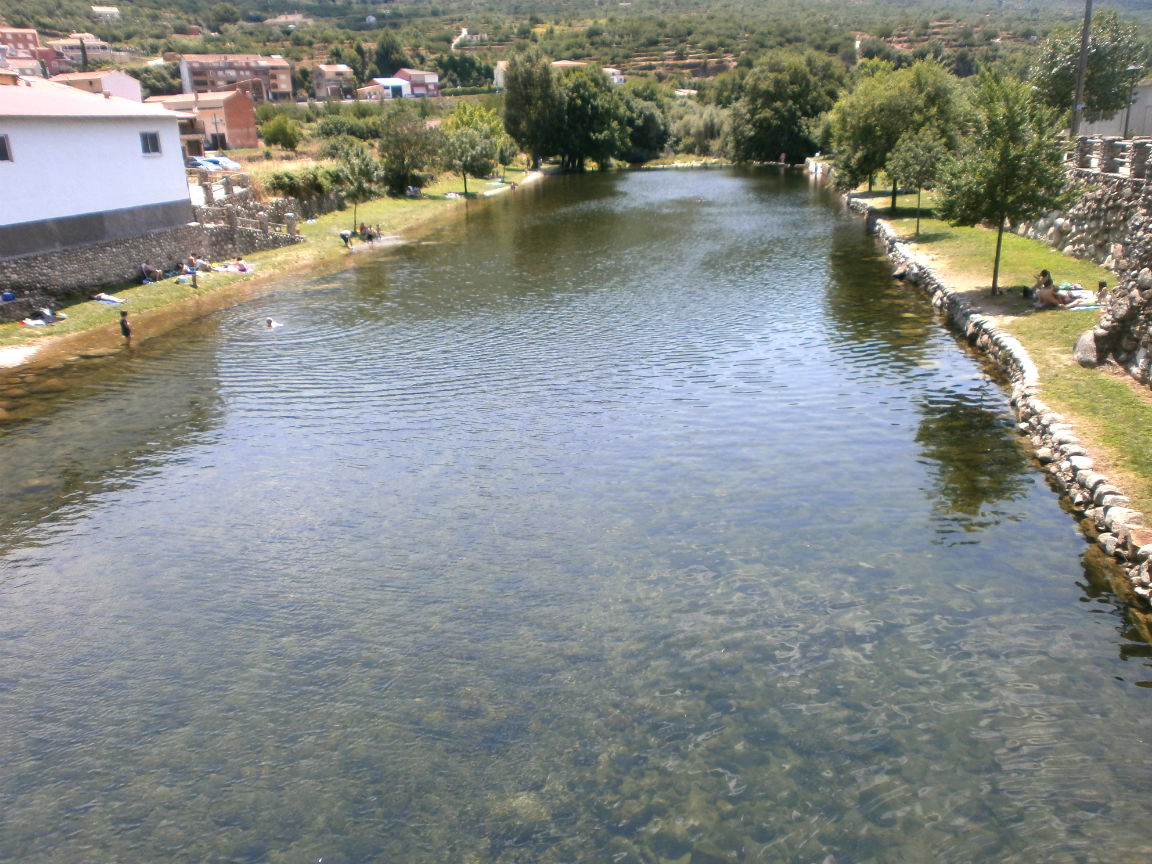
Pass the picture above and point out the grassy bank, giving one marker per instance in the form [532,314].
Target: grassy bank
[323,248]
[1107,408]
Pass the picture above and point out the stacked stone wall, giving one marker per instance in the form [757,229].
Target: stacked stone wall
[1119,530]
[1099,225]
[50,278]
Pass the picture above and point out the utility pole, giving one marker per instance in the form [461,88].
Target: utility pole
[1082,67]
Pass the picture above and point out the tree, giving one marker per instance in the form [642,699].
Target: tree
[471,141]
[390,54]
[594,127]
[1113,47]
[533,103]
[223,13]
[782,97]
[866,124]
[160,80]
[407,147]
[916,160]
[282,130]
[646,124]
[357,176]
[1011,165]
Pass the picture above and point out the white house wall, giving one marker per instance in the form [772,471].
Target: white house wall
[79,180]
[1139,123]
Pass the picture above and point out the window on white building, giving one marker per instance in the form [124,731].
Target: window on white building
[149,142]
[5,150]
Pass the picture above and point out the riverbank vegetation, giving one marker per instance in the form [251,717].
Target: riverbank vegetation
[1104,404]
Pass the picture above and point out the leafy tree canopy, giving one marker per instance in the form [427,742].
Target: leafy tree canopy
[782,98]
[1113,47]
[1010,167]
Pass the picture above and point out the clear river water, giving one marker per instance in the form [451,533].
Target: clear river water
[629,518]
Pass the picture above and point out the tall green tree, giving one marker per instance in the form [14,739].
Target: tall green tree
[533,103]
[916,160]
[407,148]
[646,123]
[866,123]
[1113,47]
[595,124]
[1010,167]
[390,54]
[471,141]
[782,98]
[358,175]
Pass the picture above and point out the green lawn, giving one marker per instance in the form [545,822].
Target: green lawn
[1108,409]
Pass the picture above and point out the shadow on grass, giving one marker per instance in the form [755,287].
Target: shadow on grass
[907,212]
[874,194]
[926,237]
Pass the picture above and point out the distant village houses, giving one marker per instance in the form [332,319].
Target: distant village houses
[28,56]
[80,46]
[382,89]
[223,120]
[267,79]
[106,13]
[422,83]
[80,168]
[102,81]
[333,81]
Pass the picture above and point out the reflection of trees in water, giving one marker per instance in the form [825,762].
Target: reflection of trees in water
[866,305]
[976,460]
[1102,575]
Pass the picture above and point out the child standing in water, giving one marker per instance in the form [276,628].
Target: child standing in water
[125,327]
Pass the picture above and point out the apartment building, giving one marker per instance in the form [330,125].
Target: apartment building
[267,79]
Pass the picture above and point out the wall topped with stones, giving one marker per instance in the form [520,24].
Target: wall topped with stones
[48,279]
[1119,530]
[1099,225]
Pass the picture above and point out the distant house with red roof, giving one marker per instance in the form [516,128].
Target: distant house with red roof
[28,57]
[224,121]
[422,83]
[78,168]
[333,81]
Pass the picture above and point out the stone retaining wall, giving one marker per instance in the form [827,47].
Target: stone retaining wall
[1118,529]
[48,279]
[1099,225]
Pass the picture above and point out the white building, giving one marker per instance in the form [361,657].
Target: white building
[80,45]
[1138,117]
[385,88]
[104,81]
[79,168]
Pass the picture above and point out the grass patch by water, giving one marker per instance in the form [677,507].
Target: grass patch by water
[1107,408]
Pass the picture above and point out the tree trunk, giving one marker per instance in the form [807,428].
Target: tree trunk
[918,191]
[996,265]
[893,207]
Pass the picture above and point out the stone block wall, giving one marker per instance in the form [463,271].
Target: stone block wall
[48,279]
[1099,225]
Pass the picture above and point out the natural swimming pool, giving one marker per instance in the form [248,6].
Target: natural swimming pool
[635,518]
